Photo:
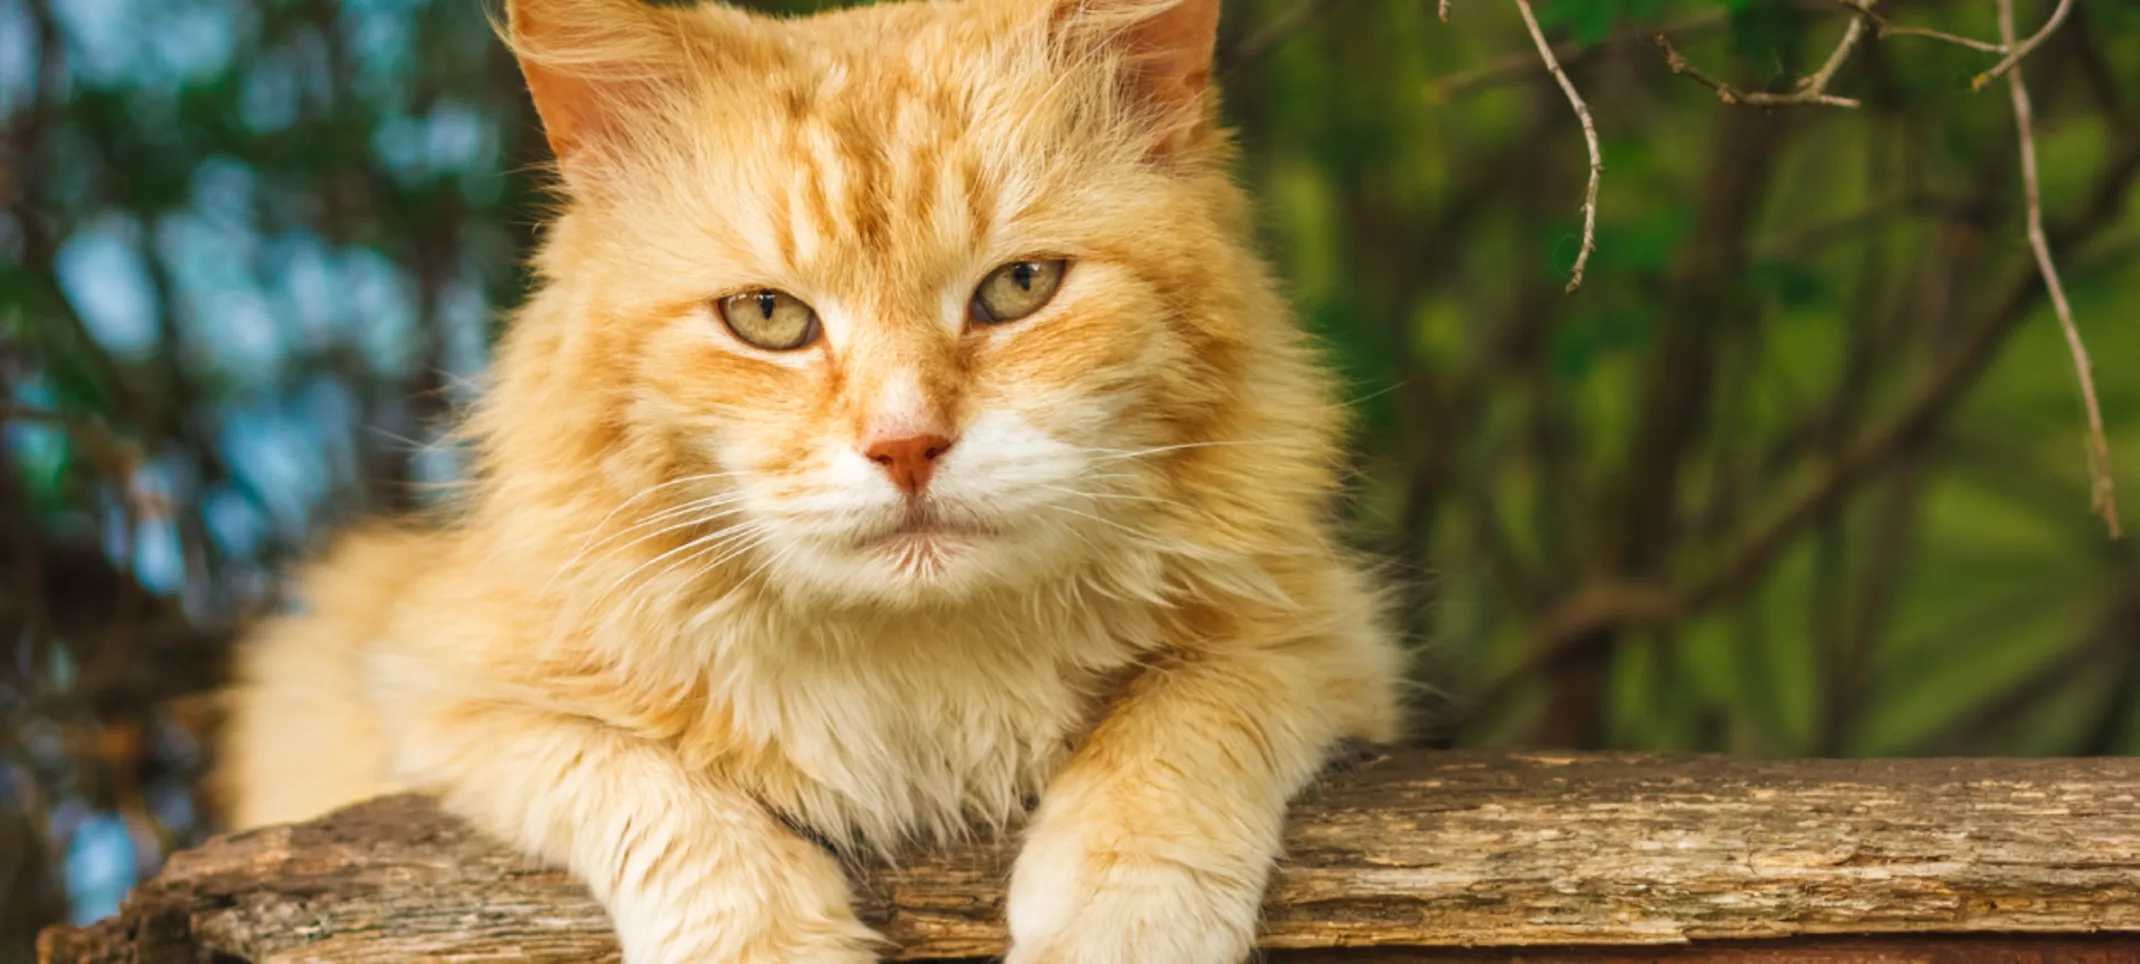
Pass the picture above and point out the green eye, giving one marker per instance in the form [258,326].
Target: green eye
[768,319]
[1016,290]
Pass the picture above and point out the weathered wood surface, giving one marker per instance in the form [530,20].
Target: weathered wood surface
[1418,856]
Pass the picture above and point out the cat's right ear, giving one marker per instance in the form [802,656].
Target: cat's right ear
[1166,49]
[592,66]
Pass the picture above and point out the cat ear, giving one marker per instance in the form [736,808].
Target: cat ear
[1171,52]
[590,64]
[1166,48]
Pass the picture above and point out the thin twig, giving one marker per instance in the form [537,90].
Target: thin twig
[1683,67]
[1585,613]
[2058,16]
[1893,31]
[1524,65]
[1813,91]
[2103,498]
[1590,138]
[1818,83]
[1886,28]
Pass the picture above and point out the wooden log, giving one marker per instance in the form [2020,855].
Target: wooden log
[1415,856]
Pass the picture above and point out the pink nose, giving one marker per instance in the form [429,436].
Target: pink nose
[910,460]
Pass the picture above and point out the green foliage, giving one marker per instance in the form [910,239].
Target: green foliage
[1874,243]
[1768,36]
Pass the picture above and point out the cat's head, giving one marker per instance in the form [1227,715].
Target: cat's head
[899,302]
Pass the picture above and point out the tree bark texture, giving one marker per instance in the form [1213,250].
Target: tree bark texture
[1410,856]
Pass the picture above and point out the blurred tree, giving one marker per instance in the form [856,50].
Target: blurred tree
[1799,470]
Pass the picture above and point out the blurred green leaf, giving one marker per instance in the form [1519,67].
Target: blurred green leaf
[1768,37]
[1588,21]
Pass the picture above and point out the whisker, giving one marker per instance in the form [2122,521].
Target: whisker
[746,535]
[757,540]
[700,519]
[1139,536]
[1119,455]
[685,524]
[596,529]
[695,505]
[1378,393]
[757,537]
[730,533]
[650,490]
[774,559]
[1119,496]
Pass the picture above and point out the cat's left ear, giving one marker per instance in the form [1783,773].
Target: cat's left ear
[1166,48]
[597,69]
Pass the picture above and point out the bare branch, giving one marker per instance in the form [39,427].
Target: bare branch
[1893,31]
[1812,91]
[1594,607]
[1590,138]
[1569,52]
[2018,51]
[1445,11]
[2103,497]
[1888,28]
[1818,83]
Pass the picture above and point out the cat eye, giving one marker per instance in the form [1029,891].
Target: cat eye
[1016,290]
[768,319]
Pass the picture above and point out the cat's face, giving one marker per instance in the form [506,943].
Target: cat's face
[924,291]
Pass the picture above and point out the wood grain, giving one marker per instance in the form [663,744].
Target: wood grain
[1412,857]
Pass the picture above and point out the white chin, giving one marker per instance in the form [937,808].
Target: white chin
[914,568]
[924,556]
[905,569]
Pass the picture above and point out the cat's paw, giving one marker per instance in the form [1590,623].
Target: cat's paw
[832,955]
[798,940]
[776,951]
[1072,903]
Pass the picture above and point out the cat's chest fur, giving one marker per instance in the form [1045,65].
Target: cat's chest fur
[922,728]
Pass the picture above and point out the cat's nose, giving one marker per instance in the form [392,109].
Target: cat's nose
[910,460]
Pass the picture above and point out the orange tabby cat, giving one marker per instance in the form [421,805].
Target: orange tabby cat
[902,428]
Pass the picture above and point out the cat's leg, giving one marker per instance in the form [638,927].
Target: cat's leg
[1155,842]
[689,871]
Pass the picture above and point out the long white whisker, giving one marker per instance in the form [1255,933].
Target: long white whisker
[1118,455]
[687,508]
[697,520]
[701,518]
[772,560]
[745,534]
[650,490]
[680,508]
[745,529]
[1064,508]
[753,574]
[1090,476]
[758,539]
[589,541]
[1120,496]
[757,535]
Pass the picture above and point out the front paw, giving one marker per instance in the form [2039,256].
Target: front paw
[773,946]
[1075,902]
[758,935]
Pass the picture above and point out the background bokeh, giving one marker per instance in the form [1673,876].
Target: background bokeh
[1799,471]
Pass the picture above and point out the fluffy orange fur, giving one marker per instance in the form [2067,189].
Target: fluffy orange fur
[682,613]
